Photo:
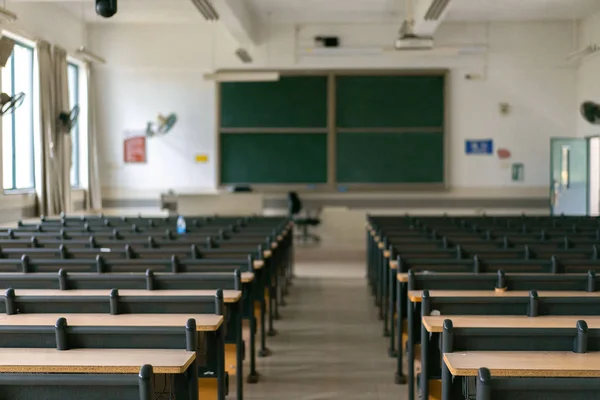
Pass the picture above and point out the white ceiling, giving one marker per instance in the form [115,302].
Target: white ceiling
[338,11]
[138,11]
[322,11]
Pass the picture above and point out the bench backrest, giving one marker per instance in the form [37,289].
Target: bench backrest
[113,304]
[489,281]
[99,264]
[90,386]
[142,281]
[532,305]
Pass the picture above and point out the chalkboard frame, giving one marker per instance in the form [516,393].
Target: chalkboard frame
[332,186]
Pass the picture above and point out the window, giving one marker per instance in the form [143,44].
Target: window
[17,127]
[75,132]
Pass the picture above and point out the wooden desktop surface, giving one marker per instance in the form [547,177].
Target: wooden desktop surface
[105,361]
[416,295]
[525,363]
[246,276]
[435,323]
[229,296]
[204,322]
[403,277]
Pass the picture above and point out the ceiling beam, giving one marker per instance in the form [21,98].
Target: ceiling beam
[429,15]
[238,20]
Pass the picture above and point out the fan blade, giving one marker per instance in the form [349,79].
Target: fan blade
[166,124]
[9,104]
[74,115]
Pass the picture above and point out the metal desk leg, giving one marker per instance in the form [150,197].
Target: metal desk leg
[410,351]
[264,351]
[400,379]
[392,311]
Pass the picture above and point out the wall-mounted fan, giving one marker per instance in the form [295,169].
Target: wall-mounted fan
[591,112]
[68,119]
[10,103]
[162,126]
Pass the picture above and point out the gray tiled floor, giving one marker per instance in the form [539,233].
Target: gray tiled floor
[330,343]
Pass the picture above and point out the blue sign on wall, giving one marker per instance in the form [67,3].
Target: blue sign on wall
[485,146]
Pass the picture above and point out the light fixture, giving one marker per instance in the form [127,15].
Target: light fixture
[436,10]
[206,9]
[243,76]
[243,55]
[7,17]
[586,51]
[87,55]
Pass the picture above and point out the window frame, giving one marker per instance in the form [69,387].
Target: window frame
[30,98]
[75,131]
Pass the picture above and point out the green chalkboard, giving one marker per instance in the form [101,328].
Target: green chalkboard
[416,158]
[390,101]
[272,158]
[291,102]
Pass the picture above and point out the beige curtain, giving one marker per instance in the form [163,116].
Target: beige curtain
[63,138]
[94,197]
[50,189]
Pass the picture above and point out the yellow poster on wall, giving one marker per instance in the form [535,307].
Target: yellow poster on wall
[202,158]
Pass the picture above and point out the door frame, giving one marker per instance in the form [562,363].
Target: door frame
[587,140]
[551,180]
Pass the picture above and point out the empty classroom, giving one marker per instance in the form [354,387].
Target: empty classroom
[304,200]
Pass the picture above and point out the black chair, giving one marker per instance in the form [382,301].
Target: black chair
[302,221]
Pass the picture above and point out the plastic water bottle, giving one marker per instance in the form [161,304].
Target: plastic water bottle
[181,226]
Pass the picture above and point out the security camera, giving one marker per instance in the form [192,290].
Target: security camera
[106,8]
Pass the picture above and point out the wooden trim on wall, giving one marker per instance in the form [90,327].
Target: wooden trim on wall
[331,124]
[218,132]
[226,131]
[429,129]
[447,129]
[343,72]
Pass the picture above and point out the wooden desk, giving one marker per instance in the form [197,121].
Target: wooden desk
[229,296]
[525,363]
[247,277]
[434,324]
[416,295]
[204,322]
[105,361]
[475,307]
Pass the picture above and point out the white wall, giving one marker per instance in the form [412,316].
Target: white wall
[53,23]
[588,84]
[151,70]
[48,21]
[159,68]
